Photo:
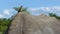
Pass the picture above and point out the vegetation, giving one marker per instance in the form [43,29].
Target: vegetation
[4,23]
[21,9]
[54,15]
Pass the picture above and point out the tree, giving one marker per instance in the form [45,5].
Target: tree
[21,9]
[54,15]
[4,23]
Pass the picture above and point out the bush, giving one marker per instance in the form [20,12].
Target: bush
[54,15]
[4,23]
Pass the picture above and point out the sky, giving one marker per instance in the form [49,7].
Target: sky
[35,7]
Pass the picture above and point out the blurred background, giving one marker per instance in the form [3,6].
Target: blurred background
[9,8]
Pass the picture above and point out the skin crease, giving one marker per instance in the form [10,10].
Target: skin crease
[45,30]
[48,30]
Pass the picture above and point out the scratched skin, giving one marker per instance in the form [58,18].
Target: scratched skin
[28,24]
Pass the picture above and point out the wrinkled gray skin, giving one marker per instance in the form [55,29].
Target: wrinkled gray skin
[27,24]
